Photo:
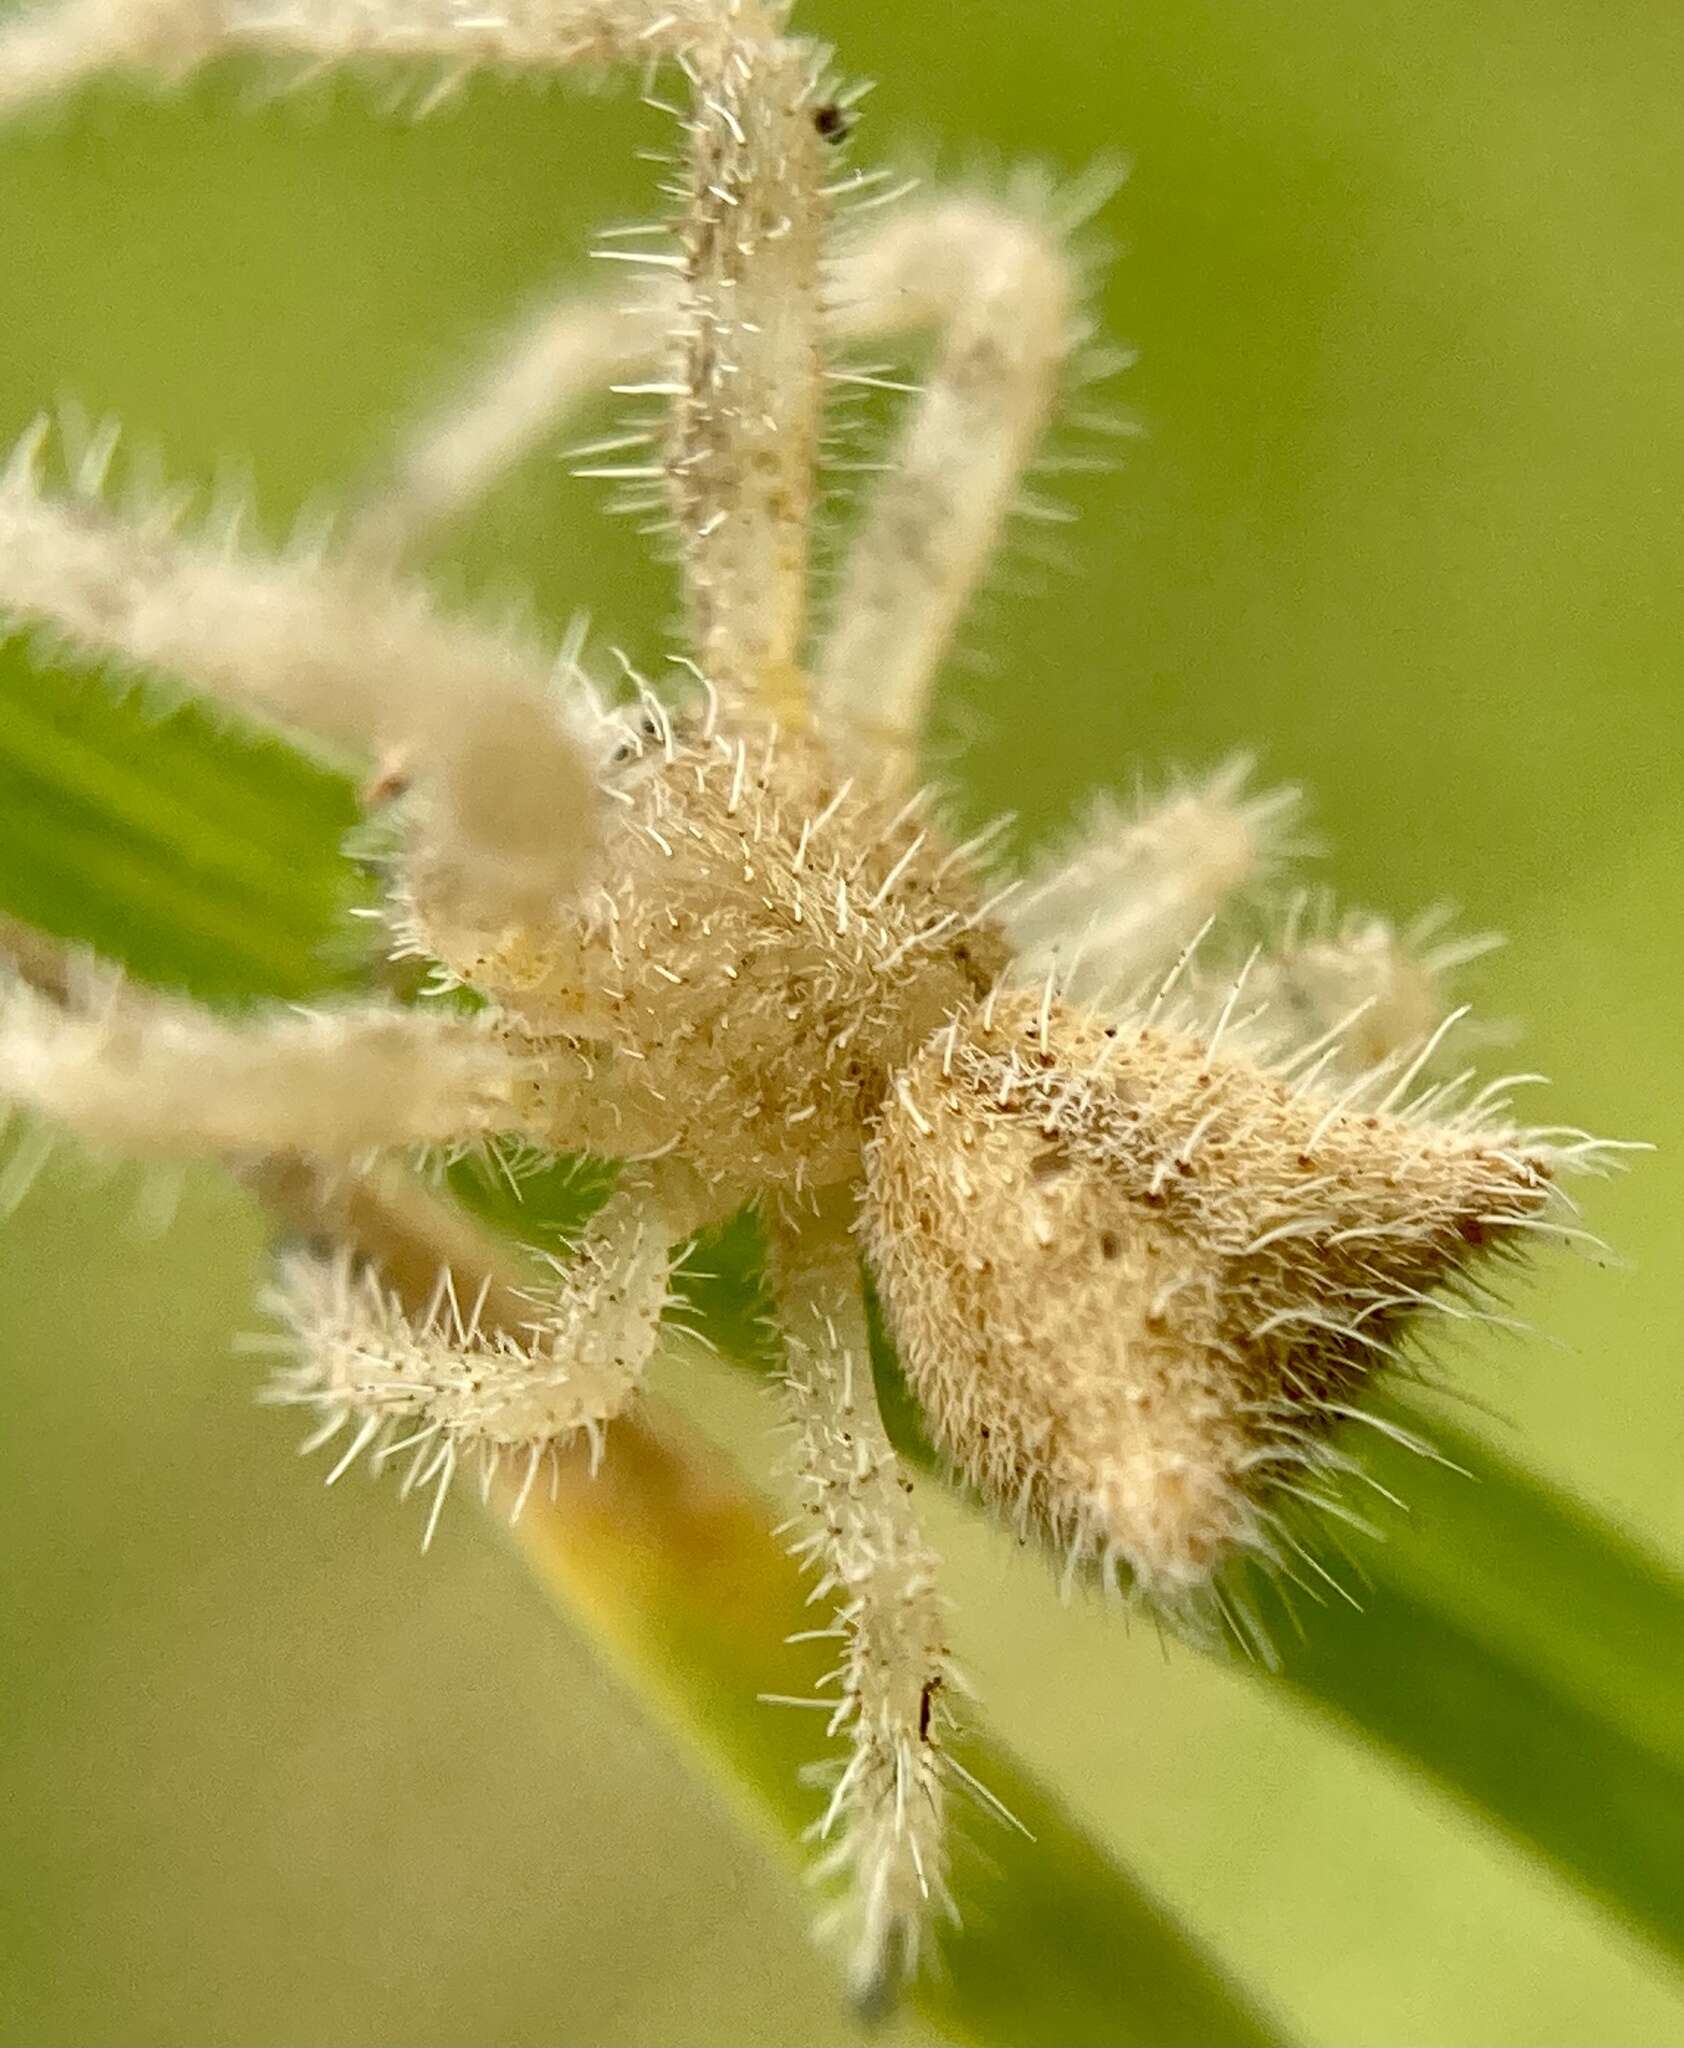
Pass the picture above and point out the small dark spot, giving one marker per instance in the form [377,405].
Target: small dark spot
[1047,1165]
[833,123]
[926,1707]
[1110,1245]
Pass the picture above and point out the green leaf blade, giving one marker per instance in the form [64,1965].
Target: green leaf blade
[1526,1656]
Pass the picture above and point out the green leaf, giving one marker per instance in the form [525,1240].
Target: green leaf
[1528,1656]
[198,860]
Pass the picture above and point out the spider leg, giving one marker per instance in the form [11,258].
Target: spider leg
[46,51]
[143,1072]
[1002,290]
[497,1384]
[335,651]
[513,397]
[886,1819]
[742,444]
[1113,904]
[1104,914]
[736,316]
[736,313]
[1362,990]
[531,376]
[745,380]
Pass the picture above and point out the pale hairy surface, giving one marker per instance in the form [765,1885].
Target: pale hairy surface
[139,1072]
[1114,901]
[882,280]
[1136,1275]
[1386,984]
[446,461]
[449,1386]
[857,1529]
[743,440]
[46,51]
[766,947]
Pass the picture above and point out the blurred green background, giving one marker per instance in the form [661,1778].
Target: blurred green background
[1408,517]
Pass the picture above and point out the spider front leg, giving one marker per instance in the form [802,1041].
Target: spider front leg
[518,394]
[330,650]
[744,335]
[743,439]
[50,50]
[886,1819]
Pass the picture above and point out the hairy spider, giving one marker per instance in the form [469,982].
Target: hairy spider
[1142,1229]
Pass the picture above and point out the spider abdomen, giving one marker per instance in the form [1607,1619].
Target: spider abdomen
[1137,1282]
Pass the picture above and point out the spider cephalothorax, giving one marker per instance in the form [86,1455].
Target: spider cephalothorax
[1144,1230]
[760,947]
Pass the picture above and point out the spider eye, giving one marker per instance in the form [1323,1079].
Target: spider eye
[641,729]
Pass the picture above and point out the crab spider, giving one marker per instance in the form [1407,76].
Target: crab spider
[1143,1232]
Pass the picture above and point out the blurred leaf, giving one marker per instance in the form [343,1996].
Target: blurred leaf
[199,860]
[1513,1649]
[1527,1654]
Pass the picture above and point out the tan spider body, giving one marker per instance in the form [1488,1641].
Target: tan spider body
[1142,1231]
[766,948]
